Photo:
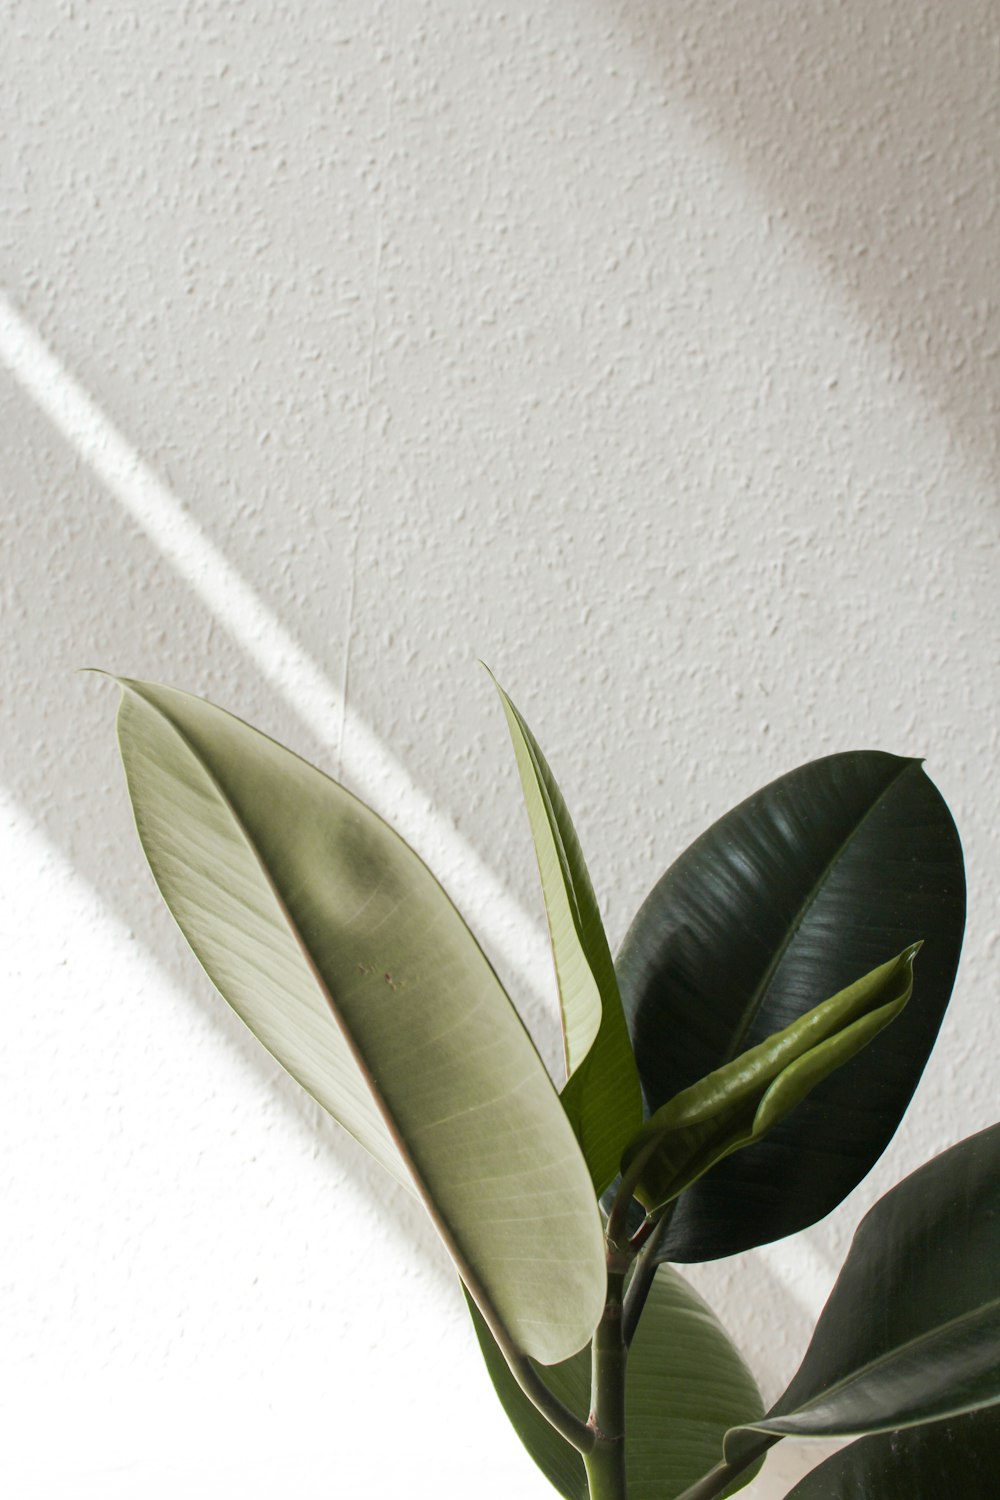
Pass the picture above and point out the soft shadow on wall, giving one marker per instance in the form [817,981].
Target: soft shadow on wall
[872,130]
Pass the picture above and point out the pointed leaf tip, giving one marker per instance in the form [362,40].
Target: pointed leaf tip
[602,1096]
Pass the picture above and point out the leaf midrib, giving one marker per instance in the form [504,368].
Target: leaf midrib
[293,929]
[472,1281]
[898,1351]
[755,1001]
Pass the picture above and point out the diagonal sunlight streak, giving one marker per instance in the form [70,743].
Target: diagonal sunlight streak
[803,1270]
[289,669]
[292,672]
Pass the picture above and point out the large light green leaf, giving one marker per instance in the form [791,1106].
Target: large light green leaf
[685,1381]
[959,1458]
[338,948]
[739,1103]
[911,1331]
[602,1096]
[786,899]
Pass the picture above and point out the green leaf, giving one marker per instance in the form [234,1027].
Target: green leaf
[783,901]
[739,1103]
[956,1458]
[602,1096]
[685,1381]
[338,948]
[911,1331]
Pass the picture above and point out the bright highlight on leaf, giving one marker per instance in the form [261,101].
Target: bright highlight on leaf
[602,1096]
[739,1103]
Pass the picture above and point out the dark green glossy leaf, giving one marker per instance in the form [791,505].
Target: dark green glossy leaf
[739,1103]
[602,1096]
[341,952]
[685,1379]
[911,1330]
[959,1458]
[813,880]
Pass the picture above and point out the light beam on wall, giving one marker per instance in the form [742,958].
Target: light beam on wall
[490,909]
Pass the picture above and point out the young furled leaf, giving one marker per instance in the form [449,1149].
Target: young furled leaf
[738,1104]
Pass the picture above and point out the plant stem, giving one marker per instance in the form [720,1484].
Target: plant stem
[605,1463]
[569,1426]
[716,1480]
[642,1279]
[577,1432]
[605,1466]
[710,1484]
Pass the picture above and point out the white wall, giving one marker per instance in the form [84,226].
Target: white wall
[648,351]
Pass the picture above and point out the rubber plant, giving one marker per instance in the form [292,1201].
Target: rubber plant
[730,1078]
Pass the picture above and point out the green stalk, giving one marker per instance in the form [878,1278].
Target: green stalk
[605,1463]
[580,1434]
[646,1267]
[718,1479]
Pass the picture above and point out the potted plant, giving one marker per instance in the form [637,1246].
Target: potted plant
[730,1078]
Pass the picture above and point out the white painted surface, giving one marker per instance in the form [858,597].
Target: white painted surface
[648,351]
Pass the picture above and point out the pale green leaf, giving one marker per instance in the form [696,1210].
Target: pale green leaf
[341,952]
[602,1096]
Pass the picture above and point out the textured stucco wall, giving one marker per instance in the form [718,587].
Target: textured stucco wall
[648,351]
